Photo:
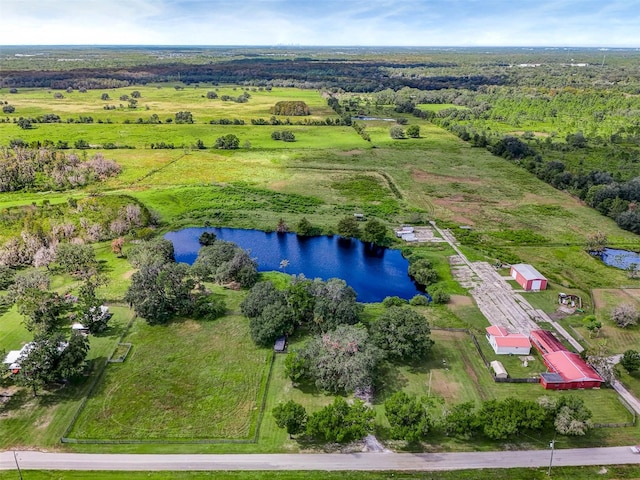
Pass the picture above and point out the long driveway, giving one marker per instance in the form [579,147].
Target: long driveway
[29,460]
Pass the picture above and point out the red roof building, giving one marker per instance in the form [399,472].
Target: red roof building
[528,277]
[545,342]
[567,370]
[505,343]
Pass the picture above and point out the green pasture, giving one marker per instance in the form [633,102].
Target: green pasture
[13,334]
[164,101]
[183,136]
[436,107]
[613,338]
[166,391]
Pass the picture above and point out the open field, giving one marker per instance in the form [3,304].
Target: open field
[164,101]
[562,473]
[165,392]
[199,380]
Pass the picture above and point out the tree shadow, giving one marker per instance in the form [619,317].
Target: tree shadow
[388,381]
[113,330]
[104,266]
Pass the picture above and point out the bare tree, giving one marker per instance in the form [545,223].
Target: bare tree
[625,315]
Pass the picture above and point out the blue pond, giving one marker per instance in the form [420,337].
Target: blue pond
[374,273]
[620,258]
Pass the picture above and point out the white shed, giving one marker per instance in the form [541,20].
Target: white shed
[499,369]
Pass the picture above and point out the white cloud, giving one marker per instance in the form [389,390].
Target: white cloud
[328,22]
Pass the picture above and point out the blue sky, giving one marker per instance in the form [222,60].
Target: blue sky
[599,23]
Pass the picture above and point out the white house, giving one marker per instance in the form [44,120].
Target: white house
[505,343]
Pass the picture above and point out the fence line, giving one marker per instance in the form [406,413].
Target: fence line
[629,408]
[92,387]
[95,441]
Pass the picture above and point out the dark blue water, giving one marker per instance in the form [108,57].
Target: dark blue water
[374,273]
[622,259]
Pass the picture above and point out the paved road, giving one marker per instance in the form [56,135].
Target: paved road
[358,461]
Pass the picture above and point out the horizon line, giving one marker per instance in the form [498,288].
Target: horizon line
[171,45]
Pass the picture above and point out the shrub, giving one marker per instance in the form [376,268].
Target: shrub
[440,297]
[419,301]
[393,302]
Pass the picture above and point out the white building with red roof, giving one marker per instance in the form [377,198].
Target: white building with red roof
[505,343]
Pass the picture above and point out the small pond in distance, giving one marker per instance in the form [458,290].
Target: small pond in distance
[374,273]
[622,259]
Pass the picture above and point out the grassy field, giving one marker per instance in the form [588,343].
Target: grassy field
[163,391]
[562,473]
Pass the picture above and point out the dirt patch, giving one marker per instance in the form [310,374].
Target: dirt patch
[278,186]
[633,292]
[421,176]
[190,326]
[443,386]
[461,301]
[7,393]
[127,275]
[43,422]
[462,209]
[350,153]
[605,298]
[447,335]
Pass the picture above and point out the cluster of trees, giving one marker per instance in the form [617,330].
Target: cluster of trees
[162,288]
[630,361]
[47,169]
[313,304]
[374,231]
[362,76]
[242,98]
[284,135]
[412,418]
[398,133]
[227,121]
[54,356]
[227,142]
[44,241]
[502,419]
[290,108]
[339,422]
[348,357]
[184,117]
[360,128]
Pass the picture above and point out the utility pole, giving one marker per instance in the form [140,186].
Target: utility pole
[15,457]
[552,444]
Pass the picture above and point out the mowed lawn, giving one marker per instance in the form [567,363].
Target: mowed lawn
[185,380]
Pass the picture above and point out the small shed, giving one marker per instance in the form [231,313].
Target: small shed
[404,230]
[498,369]
[12,360]
[281,345]
[80,328]
[528,277]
